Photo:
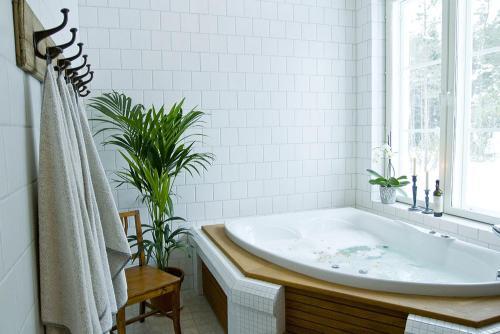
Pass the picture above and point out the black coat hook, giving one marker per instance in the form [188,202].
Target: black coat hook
[70,59]
[83,95]
[40,35]
[79,80]
[63,64]
[81,83]
[54,51]
[72,72]
[78,77]
[82,89]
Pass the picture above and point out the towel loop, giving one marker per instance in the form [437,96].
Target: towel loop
[62,64]
[40,35]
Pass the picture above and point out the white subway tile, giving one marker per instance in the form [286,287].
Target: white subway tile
[199,6]
[217,7]
[190,22]
[222,191]
[170,21]
[162,5]
[141,39]
[131,59]
[162,80]
[190,62]
[208,24]
[88,16]
[119,39]
[181,41]
[213,210]
[200,42]
[129,18]
[122,79]
[110,58]
[244,26]
[142,79]
[181,80]
[150,20]
[230,208]
[180,5]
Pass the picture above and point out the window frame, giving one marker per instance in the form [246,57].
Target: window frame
[449,93]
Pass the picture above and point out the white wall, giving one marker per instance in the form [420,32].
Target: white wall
[277,79]
[370,53]
[20,101]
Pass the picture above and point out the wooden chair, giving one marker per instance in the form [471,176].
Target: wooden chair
[146,282]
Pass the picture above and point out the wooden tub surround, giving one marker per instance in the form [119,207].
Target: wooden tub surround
[215,296]
[316,306]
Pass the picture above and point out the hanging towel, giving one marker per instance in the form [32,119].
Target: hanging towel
[116,241]
[102,284]
[66,252]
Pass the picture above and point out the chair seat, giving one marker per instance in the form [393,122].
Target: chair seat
[144,281]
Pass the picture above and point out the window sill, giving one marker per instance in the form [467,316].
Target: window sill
[461,228]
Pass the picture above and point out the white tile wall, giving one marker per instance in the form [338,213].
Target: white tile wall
[20,98]
[276,78]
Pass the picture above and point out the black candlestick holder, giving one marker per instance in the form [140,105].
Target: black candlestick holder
[427,210]
[414,206]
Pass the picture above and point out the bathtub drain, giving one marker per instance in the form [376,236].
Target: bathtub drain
[363,271]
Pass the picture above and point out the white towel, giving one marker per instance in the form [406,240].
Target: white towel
[102,284]
[66,284]
[116,241]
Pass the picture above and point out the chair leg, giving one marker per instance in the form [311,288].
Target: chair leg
[142,310]
[120,321]
[176,309]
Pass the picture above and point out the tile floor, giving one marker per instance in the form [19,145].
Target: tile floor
[196,318]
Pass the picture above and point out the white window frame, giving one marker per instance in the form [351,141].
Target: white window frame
[449,93]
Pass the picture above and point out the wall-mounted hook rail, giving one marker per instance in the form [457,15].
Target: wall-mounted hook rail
[32,39]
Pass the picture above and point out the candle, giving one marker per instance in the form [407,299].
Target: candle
[426,179]
[414,166]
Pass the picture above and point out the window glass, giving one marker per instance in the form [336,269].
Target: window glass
[418,120]
[477,157]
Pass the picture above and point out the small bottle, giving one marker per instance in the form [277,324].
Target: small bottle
[438,201]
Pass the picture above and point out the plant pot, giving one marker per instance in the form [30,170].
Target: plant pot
[388,195]
[164,302]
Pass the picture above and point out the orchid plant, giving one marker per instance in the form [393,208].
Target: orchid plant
[385,153]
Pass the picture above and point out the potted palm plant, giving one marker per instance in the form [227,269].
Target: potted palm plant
[157,147]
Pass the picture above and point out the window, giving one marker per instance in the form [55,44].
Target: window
[444,98]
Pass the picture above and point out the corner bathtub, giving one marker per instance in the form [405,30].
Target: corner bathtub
[355,248]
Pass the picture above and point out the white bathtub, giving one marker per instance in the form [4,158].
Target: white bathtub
[359,249]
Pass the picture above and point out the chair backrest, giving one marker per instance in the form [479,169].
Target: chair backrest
[124,217]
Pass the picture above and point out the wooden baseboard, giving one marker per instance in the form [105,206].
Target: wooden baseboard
[215,296]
